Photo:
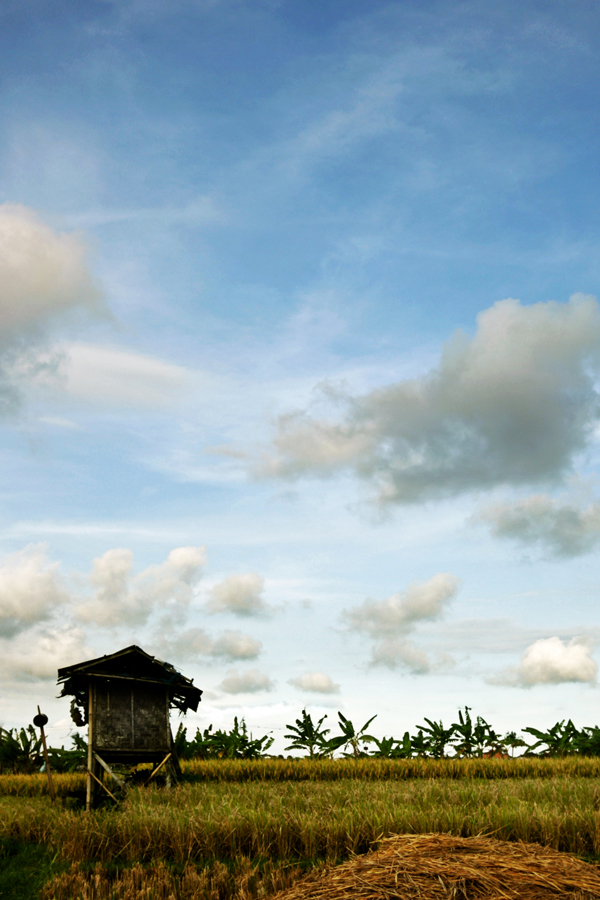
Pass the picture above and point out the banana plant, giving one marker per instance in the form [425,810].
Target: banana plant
[404,748]
[350,737]
[390,748]
[436,737]
[385,747]
[419,743]
[305,735]
[512,741]
[70,760]
[465,744]
[588,742]
[209,744]
[20,750]
[560,740]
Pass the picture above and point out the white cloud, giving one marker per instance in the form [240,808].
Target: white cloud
[388,622]
[240,595]
[564,529]
[115,376]
[37,655]
[58,422]
[316,682]
[393,652]
[123,598]
[250,682]
[235,645]
[42,272]
[193,643]
[397,614]
[31,588]
[552,661]
[43,275]
[512,405]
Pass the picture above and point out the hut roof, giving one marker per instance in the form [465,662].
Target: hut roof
[131,664]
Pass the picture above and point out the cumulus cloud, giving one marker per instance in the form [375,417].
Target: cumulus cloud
[193,643]
[120,597]
[564,529]
[512,405]
[43,274]
[552,661]
[240,595]
[317,682]
[250,682]
[31,588]
[38,654]
[388,622]
[235,645]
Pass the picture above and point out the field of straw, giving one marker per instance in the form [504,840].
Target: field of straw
[216,836]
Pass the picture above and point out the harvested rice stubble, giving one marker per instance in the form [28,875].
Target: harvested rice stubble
[244,881]
[440,866]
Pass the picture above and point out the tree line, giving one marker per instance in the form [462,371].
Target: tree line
[469,737]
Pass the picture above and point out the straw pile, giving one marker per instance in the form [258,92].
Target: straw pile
[440,866]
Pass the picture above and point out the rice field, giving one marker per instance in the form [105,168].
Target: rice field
[286,770]
[244,829]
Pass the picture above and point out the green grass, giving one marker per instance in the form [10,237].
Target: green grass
[25,868]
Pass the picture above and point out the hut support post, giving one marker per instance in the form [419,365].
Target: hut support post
[108,769]
[89,784]
[159,766]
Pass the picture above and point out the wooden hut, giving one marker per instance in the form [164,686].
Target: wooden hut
[125,700]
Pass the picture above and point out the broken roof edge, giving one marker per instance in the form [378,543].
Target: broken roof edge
[178,683]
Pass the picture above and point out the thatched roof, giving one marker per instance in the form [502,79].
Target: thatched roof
[131,664]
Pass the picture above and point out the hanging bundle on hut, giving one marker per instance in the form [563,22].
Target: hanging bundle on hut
[440,867]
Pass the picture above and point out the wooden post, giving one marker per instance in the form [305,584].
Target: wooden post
[154,771]
[89,784]
[42,720]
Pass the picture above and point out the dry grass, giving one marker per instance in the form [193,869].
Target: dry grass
[389,769]
[298,770]
[439,867]
[299,822]
[37,785]
[243,881]
[410,867]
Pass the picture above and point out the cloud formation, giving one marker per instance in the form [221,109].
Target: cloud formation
[38,654]
[31,588]
[42,272]
[235,645]
[195,642]
[122,598]
[117,377]
[552,661]
[43,275]
[250,682]
[316,682]
[240,595]
[388,622]
[563,529]
[512,405]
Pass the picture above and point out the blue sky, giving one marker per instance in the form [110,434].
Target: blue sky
[268,408]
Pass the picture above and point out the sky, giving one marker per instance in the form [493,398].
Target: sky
[300,355]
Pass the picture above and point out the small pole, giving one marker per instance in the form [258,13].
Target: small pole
[40,720]
[89,786]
